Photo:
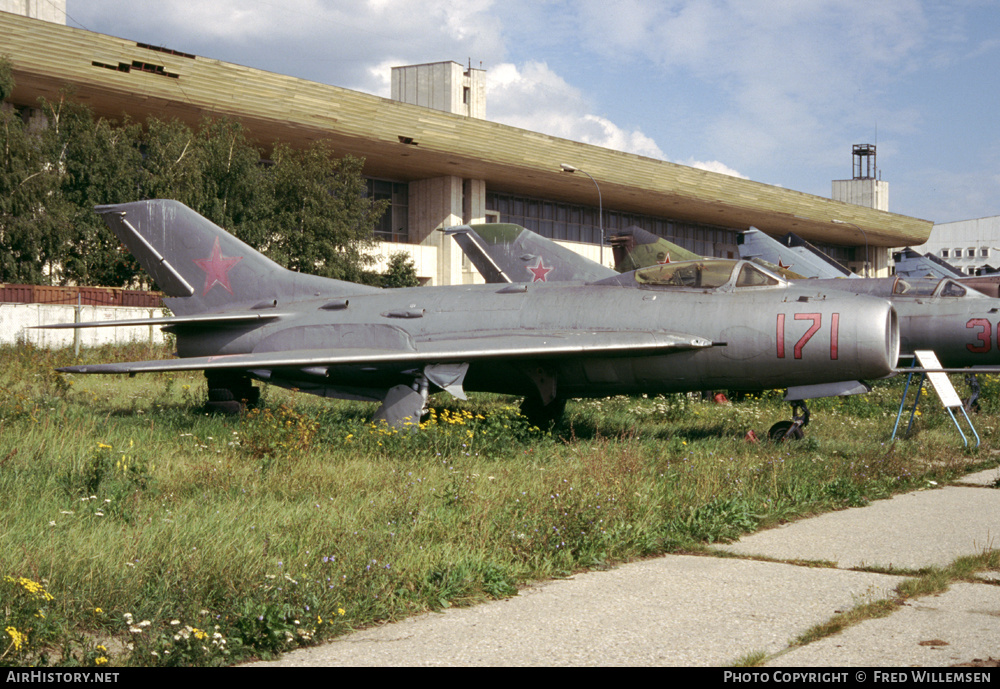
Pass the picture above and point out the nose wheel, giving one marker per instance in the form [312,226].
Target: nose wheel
[791,430]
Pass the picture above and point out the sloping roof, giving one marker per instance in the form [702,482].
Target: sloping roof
[407,142]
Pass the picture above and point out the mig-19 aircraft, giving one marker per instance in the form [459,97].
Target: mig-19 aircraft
[948,316]
[239,317]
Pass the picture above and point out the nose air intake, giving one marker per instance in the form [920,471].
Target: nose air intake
[892,337]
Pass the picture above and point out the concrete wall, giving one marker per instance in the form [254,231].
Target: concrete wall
[435,204]
[47,10]
[16,319]
[870,193]
[424,258]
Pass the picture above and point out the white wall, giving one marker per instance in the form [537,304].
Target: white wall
[49,10]
[16,319]
[981,235]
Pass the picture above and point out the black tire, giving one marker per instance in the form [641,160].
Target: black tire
[220,395]
[251,396]
[779,431]
[542,415]
[227,408]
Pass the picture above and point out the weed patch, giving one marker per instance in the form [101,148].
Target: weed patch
[205,540]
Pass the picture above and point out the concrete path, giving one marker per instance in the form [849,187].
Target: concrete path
[689,611]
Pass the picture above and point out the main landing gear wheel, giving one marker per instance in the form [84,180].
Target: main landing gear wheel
[230,395]
[542,415]
[791,430]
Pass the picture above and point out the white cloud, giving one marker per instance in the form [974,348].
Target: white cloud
[714,166]
[536,98]
[773,76]
[330,41]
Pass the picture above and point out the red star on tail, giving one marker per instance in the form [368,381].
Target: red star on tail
[216,268]
[539,271]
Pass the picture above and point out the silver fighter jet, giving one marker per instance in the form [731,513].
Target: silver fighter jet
[240,317]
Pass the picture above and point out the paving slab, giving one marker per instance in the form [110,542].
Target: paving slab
[669,611]
[958,626]
[989,478]
[910,531]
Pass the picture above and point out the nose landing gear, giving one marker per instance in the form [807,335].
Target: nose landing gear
[791,430]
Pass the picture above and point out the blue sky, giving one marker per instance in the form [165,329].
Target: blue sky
[773,90]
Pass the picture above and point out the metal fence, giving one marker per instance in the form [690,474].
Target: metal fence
[84,296]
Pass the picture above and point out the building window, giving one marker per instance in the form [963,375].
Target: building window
[985,253]
[945,253]
[564,221]
[394,225]
[971,253]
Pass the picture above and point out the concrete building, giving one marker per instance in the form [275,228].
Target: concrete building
[972,246]
[866,189]
[431,152]
[46,10]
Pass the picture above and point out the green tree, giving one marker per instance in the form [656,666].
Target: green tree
[31,240]
[236,192]
[399,272]
[6,79]
[323,221]
[307,210]
[172,163]
[101,163]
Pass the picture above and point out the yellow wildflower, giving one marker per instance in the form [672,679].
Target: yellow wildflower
[17,638]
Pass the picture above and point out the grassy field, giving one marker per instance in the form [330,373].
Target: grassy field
[137,530]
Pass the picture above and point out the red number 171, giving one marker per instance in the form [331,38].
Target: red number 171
[817,323]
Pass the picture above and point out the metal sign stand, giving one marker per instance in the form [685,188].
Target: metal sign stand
[945,392]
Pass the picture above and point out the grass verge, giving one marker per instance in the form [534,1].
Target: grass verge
[138,530]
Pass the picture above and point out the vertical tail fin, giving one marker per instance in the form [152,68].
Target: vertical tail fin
[202,266]
[510,253]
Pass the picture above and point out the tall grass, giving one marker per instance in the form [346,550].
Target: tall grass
[164,535]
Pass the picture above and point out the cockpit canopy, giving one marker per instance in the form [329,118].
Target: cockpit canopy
[924,287]
[707,274]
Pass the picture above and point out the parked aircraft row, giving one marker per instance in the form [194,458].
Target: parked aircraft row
[547,326]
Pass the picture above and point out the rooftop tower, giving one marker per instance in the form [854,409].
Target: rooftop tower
[865,188]
[443,86]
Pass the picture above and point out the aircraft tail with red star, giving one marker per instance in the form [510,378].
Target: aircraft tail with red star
[202,268]
[504,252]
